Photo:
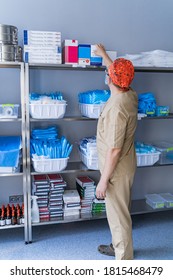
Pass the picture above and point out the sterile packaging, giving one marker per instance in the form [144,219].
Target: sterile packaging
[42,38]
[42,57]
[84,53]
[9,110]
[70,52]
[94,59]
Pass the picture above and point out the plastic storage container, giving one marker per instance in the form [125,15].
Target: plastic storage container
[162,111]
[9,110]
[91,110]
[155,201]
[168,197]
[166,152]
[49,165]
[144,159]
[90,162]
[47,111]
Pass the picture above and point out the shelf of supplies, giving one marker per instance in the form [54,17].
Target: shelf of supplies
[11,226]
[95,68]
[77,118]
[170,116]
[79,166]
[140,207]
[66,67]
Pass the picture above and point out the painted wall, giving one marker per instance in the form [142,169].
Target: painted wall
[121,25]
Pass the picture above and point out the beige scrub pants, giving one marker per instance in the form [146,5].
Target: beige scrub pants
[118,198]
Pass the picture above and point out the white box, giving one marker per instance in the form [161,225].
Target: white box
[35,50]
[49,165]
[91,110]
[144,159]
[47,111]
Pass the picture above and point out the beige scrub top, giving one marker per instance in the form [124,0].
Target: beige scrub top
[115,129]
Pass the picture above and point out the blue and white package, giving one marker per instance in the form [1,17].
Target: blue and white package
[147,104]
[94,96]
[45,144]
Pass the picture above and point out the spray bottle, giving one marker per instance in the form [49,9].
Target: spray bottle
[35,218]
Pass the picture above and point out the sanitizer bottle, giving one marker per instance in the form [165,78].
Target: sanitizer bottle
[35,218]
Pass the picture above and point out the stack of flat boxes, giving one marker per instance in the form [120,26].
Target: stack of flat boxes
[86,189]
[49,189]
[42,47]
[72,204]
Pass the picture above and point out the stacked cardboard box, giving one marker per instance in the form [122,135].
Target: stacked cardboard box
[42,47]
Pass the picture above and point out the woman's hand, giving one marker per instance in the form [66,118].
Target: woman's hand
[100,50]
[101,190]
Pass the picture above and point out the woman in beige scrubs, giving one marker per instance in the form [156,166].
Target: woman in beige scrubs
[116,151]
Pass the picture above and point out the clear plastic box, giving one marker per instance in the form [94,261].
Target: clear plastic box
[155,201]
[49,165]
[166,152]
[90,162]
[168,197]
[144,159]
[47,111]
[91,110]
[9,110]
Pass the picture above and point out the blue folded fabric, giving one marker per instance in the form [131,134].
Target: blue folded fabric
[9,151]
[94,96]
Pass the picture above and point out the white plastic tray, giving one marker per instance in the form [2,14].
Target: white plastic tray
[49,165]
[91,110]
[47,111]
[147,159]
[90,162]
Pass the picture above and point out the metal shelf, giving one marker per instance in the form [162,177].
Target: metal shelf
[10,119]
[169,117]
[11,226]
[154,69]
[70,118]
[11,174]
[138,207]
[65,67]
[73,167]
[12,64]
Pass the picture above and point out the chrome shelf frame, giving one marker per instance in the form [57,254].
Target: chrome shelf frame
[19,66]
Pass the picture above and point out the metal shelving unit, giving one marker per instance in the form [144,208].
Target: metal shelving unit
[138,206]
[19,66]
